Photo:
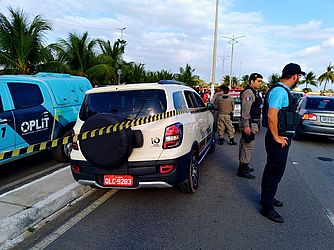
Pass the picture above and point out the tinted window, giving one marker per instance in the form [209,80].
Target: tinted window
[125,104]
[190,99]
[320,104]
[25,95]
[178,100]
[199,101]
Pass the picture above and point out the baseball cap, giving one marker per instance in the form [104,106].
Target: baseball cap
[292,69]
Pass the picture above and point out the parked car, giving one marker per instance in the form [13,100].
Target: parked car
[235,93]
[297,95]
[317,116]
[164,153]
[38,108]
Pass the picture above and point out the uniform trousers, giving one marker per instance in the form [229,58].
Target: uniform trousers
[246,149]
[273,170]
[225,123]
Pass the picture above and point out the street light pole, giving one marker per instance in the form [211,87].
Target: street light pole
[214,57]
[232,40]
[121,30]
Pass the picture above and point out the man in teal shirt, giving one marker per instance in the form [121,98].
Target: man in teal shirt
[278,138]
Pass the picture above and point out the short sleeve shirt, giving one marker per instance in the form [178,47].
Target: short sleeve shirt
[278,97]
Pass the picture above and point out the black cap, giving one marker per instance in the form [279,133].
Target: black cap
[292,69]
[253,76]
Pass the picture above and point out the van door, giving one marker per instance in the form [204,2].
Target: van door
[7,127]
[32,111]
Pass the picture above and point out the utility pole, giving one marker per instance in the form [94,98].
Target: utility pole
[214,57]
[232,40]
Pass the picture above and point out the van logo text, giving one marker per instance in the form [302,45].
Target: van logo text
[35,125]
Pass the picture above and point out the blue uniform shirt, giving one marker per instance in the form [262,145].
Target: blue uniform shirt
[278,97]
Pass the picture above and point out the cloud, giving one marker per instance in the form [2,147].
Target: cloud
[168,34]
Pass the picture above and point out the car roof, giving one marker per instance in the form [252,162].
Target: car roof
[318,97]
[138,86]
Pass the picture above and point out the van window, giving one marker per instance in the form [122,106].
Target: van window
[125,104]
[178,100]
[25,95]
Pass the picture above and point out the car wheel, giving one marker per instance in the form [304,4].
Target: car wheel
[62,152]
[297,136]
[190,186]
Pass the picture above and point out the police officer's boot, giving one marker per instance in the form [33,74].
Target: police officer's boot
[243,171]
[249,168]
[232,142]
[221,141]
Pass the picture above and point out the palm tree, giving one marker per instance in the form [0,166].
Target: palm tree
[133,73]
[112,53]
[327,76]
[245,79]
[273,79]
[21,42]
[186,76]
[310,78]
[77,52]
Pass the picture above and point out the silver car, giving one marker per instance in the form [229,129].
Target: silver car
[317,114]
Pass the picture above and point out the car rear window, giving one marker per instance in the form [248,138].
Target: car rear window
[320,104]
[124,104]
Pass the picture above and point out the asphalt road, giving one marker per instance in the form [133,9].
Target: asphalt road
[223,214]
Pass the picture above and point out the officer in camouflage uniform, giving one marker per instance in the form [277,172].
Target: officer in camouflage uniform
[225,108]
[250,123]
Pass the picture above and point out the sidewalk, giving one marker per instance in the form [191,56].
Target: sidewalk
[25,206]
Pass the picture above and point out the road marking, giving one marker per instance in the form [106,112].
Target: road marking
[73,221]
[329,214]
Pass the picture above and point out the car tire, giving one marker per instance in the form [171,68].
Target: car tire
[297,136]
[62,152]
[191,184]
[109,150]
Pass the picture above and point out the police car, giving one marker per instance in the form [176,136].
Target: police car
[163,153]
[39,108]
[235,93]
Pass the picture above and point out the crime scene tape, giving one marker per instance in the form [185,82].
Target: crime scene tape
[91,134]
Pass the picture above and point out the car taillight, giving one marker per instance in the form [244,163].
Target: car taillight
[165,169]
[75,168]
[173,136]
[309,116]
[75,146]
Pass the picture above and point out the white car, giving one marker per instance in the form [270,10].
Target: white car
[163,153]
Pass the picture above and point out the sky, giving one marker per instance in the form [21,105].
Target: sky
[168,34]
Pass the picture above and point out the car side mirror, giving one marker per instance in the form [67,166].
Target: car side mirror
[210,106]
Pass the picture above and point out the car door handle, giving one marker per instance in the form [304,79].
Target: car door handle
[3,121]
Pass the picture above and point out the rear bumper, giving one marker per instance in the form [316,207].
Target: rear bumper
[145,174]
[307,128]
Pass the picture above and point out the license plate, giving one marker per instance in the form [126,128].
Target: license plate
[327,119]
[118,180]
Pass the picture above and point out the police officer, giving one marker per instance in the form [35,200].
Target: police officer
[225,108]
[250,117]
[281,119]
[215,98]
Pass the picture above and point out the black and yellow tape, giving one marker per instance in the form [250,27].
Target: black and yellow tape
[90,134]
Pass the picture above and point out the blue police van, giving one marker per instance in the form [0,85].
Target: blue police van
[38,108]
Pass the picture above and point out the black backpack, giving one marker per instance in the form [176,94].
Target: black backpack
[288,119]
